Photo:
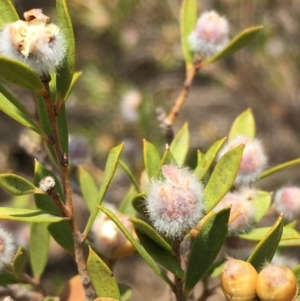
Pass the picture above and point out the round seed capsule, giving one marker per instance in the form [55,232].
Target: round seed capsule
[276,283]
[238,280]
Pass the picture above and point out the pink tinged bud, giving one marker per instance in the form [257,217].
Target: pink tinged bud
[210,34]
[34,42]
[7,248]
[276,283]
[253,160]
[47,183]
[108,238]
[175,204]
[287,202]
[241,214]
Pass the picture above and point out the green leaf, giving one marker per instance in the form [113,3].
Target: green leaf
[88,188]
[160,255]
[151,160]
[238,42]
[261,204]
[7,278]
[39,248]
[75,78]
[13,99]
[266,248]
[140,249]
[188,19]
[8,13]
[145,228]
[61,231]
[15,113]
[180,145]
[126,206]
[279,167]
[290,237]
[20,261]
[110,168]
[20,74]
[104,283]
[129,173]
[205,161]
[243,125]
[66,70]
[17,185]
[222,177]
[28,215]
[206,247]
[63,128]
[168,158]
[139,203]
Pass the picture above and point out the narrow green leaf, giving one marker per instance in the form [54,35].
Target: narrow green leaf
[145,228]
[130,175]
[13,99]
[20,261]
[65,72]
[88,188]
[279,167]
[160,255]
[104,283]
[44,121]
[75,78]
[266,248]
[61,231]
[7,278]
[206,247]
[110,168]
[39,248]
[139,203]
[168,158]
[140,249]
[17,185]
[180,145]
[151,160]
[243,125]
[126,206]
[28,215]
[8,13]
[261,204]
[205,161]
[63,128]
[19,74]
[238,42]
[188,18]
[222,177]
[15,113]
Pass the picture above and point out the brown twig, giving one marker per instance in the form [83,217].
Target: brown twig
[178,288]
[190,74]
[62,159]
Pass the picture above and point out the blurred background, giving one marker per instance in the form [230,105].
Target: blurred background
[132,62]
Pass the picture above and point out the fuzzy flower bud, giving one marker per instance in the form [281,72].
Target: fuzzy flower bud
[108,238]
[7,248]
[34,42]
[287,202]
[276,283]
[174,204]
[253,160]
[242,211]
[238,280]
[210,35]
[47,183]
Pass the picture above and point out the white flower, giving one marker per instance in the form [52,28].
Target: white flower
[47,183]
[7,248]
[34,42]
[210,34]
[175,204]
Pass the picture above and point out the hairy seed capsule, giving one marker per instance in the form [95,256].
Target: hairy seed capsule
[276,283]
[238,280]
